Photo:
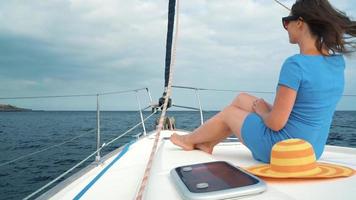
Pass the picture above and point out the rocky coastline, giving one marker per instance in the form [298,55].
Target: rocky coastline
[11,108]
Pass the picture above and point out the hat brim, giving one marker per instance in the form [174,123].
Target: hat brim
[323,170]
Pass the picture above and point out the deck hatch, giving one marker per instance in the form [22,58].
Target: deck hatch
[216,180]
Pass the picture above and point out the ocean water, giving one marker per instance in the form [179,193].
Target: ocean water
[22,133]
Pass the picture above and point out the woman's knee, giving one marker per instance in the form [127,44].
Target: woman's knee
[238,99]
[244,101]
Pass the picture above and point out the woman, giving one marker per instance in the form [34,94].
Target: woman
[310,85]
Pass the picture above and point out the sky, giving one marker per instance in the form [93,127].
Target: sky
[61,47]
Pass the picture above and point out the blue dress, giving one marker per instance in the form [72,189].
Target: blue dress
[319,83]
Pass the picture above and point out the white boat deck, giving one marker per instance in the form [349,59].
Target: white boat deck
[121,179]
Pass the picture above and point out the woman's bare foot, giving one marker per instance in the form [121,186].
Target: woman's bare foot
[180,140]
[206,147]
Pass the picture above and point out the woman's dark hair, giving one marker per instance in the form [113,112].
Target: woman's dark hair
[333,28]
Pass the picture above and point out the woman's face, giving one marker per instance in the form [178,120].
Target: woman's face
[294,25]
[293,29]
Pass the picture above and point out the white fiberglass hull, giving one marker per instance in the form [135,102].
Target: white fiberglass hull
[121,172]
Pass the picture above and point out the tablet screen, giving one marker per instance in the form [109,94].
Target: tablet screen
[215,176]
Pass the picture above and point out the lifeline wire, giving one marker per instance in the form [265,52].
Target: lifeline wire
[44,149]
[282,5]
[87,158]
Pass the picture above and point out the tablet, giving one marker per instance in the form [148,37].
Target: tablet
[215,180]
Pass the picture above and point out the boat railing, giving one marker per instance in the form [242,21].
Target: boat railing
[99,145]
[87,158]
[199,102]
[197,95]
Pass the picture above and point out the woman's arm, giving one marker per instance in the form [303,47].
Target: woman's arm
[276,117]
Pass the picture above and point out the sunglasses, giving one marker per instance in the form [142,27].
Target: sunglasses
[287,20]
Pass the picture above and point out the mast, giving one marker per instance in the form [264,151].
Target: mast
[170,30]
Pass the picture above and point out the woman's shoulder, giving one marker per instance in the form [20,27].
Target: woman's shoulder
[300,56]
[302,59]
[292,60]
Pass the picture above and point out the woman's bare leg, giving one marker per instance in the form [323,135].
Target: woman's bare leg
[243,101]
[215,129]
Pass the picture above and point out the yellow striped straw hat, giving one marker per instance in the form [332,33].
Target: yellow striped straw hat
[295,158]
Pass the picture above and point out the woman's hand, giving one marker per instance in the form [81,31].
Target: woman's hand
[261,107]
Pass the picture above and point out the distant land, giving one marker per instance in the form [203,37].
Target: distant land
[11,108]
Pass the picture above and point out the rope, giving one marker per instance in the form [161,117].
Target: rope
[81,162]
[45,149]
[144,182]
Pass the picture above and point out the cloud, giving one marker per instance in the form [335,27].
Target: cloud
[86,46]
